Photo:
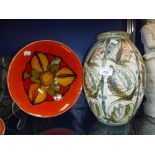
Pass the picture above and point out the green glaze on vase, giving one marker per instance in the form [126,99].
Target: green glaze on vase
[114,78]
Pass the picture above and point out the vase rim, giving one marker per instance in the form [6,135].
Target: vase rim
[108,34]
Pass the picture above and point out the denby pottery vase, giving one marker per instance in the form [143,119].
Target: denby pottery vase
[114,78]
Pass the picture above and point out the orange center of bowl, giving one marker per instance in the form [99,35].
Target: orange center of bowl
[46,78]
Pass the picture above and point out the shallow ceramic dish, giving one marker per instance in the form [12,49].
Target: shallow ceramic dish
[45,78]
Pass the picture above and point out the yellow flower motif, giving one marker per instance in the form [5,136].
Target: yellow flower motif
[47,79]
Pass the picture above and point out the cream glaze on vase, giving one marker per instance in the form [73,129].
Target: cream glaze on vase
[114,78]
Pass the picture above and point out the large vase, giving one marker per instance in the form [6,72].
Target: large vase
[114,78]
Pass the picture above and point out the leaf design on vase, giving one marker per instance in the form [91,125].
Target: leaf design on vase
[92,84]
[96,108]
[115,81]
[119,51]
[121,112]
[98,113]
[114,50]
[122,83]
[118,113]
[126,52]
[127,109]
[97,54]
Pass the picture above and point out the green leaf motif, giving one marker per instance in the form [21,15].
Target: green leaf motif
[50,91]
[53,68]
[98,113]
[56,61]
[35,80]
[35,73]
[127,110]
[55,87]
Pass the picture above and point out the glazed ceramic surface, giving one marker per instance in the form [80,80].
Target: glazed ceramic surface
[45,78]
[114,78]
[2,127]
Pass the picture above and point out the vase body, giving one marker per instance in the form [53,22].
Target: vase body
[114,78]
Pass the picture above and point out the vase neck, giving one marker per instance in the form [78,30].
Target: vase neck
[112,34]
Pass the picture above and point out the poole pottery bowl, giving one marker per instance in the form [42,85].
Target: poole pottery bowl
[45,78]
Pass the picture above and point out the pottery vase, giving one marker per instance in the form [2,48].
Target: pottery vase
[114,78]
[149,106]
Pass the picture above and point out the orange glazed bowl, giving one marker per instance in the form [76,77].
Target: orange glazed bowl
[45,78]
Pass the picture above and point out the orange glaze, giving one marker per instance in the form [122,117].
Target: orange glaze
[46,108]
[2,127]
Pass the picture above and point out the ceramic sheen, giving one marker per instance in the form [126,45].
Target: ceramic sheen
[114,78]
[45,78]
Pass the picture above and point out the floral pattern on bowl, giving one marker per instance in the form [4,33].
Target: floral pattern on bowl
[47,78]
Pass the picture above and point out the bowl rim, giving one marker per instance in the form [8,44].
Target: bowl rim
[14,58]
